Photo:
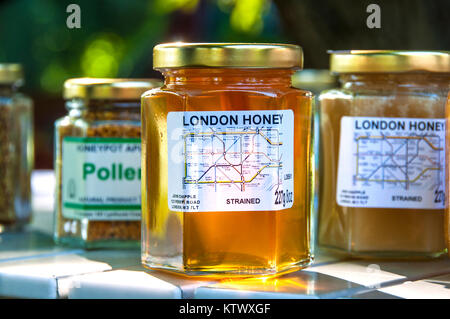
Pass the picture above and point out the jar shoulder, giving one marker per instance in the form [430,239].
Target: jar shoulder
[391,93]
[221,90]
[22,98]
[16,100]
[385,90]
[342,102]
[335,93]
[70,126]
[89,118]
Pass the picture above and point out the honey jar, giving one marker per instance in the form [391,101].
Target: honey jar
[97,163]
[447,175]
[16,149]
[226,161]
[382,167]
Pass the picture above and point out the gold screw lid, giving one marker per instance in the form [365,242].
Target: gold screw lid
[383,61]
[11,73]
[108,89]
[227,55]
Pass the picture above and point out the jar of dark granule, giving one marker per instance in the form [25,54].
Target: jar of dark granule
[98,163]
[16,149]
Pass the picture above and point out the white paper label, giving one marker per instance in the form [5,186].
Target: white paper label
[230,161]
[101,178]
[391,163]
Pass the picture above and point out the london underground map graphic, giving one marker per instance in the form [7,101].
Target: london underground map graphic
[247,158]
[228,161]
[412,161]
[391,162]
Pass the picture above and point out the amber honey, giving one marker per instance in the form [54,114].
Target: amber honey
[384,197]
[219,239]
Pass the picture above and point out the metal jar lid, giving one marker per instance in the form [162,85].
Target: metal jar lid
[384,61]
[11,73]
[107,89]
[227,55]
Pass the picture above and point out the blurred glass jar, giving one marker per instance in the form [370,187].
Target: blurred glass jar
[16,149]
[97,163]
[447,174]
[316,81]
[382,138]
[226,161]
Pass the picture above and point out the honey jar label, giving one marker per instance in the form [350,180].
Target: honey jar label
[101,178]
[391,163]
[230,160]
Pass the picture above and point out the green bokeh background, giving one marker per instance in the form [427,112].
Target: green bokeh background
[117,36]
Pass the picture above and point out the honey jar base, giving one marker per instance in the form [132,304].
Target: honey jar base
[382,254]
[103,244]
[174,265]
[15,226]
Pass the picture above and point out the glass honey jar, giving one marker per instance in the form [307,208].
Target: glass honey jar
[97,163]
[447,174]
[16,149]
[226,161]
[382,189]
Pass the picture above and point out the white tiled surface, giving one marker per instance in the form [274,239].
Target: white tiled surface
[418,290]
[298,285]
[38,278]
[442,279]
[120,284]
[366,275]
[32,267]
[414,269]
[338,279]
[188,286]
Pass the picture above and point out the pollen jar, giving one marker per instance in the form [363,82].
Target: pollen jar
[97,163]
[226,161]
[382,187]
[16,149]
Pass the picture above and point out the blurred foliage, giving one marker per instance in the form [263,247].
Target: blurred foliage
[116,39]
[102,56]
[324,25]
[247,16]
[172,5]
[116,36]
